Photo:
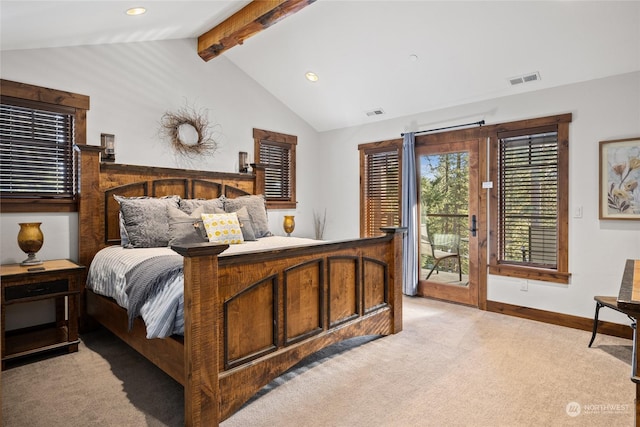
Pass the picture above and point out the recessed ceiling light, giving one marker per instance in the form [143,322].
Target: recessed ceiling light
[134,11]
[413,57]
[312,77]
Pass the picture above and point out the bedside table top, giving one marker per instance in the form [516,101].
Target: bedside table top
[7,270]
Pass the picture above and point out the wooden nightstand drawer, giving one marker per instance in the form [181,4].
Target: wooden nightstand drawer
[35,289]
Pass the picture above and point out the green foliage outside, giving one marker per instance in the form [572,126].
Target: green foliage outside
[444,199]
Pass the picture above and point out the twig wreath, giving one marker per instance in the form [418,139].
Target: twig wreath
[175,126]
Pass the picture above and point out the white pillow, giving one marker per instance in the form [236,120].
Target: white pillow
[223,228]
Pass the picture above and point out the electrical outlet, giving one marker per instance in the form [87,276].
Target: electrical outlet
[524,285]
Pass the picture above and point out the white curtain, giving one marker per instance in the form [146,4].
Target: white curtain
[409,216]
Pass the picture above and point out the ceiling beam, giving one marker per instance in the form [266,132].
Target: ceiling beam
[251,19]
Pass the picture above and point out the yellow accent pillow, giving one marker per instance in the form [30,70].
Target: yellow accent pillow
[223,228]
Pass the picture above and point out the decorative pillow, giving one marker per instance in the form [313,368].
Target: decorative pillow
[223,227]
[209,205]
[256,207]
[185,228]
[246,226]
[124,237]
[146,220]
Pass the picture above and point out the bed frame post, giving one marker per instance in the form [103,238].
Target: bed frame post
[201,343]
[259,171]
[90,204]
[398,234]
[90,216]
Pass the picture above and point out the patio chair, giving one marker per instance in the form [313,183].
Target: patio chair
[440,247]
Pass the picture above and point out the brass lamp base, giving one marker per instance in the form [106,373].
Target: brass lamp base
[31,260]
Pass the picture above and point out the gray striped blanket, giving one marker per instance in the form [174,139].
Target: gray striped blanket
[147,278]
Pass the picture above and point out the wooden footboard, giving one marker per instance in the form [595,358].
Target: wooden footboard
[274,308]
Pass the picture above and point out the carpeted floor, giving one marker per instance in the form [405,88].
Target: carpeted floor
[451,366]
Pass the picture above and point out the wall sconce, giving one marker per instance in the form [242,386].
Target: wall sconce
[108,141]
[243,166]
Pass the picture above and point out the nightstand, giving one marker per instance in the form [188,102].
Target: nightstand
[56,279]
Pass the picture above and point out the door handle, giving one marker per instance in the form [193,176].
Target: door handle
[473,226]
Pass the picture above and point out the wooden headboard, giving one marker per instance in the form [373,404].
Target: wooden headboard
[98,220]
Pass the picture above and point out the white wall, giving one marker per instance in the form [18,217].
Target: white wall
[603,109]
[131,85]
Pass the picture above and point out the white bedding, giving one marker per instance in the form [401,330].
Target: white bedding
[163,313]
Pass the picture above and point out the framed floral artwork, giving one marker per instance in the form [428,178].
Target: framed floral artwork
[620,179]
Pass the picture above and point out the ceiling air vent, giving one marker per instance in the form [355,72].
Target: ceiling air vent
[526,78]
[376,112]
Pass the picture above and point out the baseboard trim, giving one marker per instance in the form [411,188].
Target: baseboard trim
[570,321]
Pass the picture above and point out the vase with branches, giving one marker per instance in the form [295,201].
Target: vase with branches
[319,223]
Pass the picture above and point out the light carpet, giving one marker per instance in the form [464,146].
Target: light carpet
[451,366]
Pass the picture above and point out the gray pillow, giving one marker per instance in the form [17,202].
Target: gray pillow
[124,238]
[186,228]
[146,220]
[246,226]
[209,205]
[256,207]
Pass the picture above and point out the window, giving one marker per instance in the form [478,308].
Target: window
[275,153]
[38,129]
[529,209]
[379,186]
[35,152]
[528,199]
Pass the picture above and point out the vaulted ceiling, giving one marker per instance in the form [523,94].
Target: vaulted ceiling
[399,57]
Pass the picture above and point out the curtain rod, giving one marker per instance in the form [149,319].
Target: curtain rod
[480,123]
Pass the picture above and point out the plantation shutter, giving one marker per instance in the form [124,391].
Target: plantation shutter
[36,152]
[275,155]
[528,199]
[277,160]
[382,190]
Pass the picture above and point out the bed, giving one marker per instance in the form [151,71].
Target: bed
[248,316]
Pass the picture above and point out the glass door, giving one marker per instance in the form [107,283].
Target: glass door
[448,204]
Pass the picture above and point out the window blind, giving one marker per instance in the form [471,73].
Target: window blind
[277,160]
[382,190]
[36,152]
[528,199]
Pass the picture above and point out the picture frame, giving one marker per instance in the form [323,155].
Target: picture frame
[620,179]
